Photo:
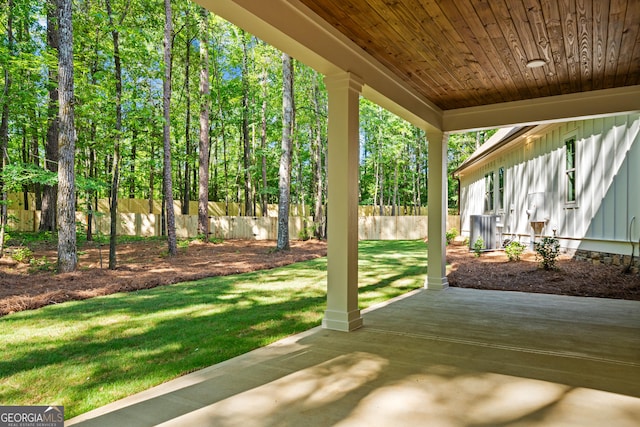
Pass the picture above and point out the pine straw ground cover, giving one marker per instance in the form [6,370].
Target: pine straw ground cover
[144,264]
[492,270]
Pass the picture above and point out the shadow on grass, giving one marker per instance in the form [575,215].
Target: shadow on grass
[88,353]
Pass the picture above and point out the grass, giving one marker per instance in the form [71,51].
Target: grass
[85,354]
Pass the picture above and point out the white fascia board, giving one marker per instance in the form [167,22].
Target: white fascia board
[293,28]
[551,109]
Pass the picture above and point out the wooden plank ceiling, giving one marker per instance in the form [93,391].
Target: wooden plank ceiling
[464,53]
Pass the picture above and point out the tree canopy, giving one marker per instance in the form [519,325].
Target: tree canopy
[119,69]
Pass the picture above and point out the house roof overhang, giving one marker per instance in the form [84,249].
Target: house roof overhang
[500,139]
[447,64]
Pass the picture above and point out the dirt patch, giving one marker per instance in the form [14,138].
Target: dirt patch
[143,265]
[493,270]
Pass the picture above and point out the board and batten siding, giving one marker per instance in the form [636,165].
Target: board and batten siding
[606,212]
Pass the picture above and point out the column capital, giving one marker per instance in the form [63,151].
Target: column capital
[344,80]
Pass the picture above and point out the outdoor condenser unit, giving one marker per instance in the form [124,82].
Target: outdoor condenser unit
[484,227]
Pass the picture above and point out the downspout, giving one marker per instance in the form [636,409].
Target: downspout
[459,195]
[627,269]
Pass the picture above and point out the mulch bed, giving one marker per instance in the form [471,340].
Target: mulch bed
[141,265]
[144,265]
[493,270]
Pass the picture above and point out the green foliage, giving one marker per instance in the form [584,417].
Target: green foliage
[304,234]
[393,161]
[451,234]
[547,251]
[461,146]
[40,264]
[308,231]
[478,246]
[514,250]
[30,239]
[18,174]
[22,255]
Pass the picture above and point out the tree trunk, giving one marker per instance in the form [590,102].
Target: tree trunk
[381,183]
[284,186]
[318,212]
[152,173]
[115,169]
[166,131]
[263,142]
[223,133]
[35,157]
[92,208]
[394,206]
[248,188]
[4,131]
[187,133]
[203,178]
[25,159]
[67,250]
[132,167]
[48,221]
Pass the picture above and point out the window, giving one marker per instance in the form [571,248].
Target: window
[501,189]
[570,169]
[488,192]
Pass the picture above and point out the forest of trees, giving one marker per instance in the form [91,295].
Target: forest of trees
[223,121]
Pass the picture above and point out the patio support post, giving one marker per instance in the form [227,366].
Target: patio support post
[342,312]
[437,210]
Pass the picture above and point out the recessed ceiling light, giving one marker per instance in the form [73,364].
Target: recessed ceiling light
[535,63]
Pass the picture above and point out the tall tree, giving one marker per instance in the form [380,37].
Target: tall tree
[67,250]
[48,220]
[318,186]
[248,188]
[4,129]
[284,186]
[263,140]
[203,178]
[187,130]
[166,130]
[115,168]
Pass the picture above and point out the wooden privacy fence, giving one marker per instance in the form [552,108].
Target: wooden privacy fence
[238,227]
[144,206]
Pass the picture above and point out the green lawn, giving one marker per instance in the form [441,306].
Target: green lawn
[85,354]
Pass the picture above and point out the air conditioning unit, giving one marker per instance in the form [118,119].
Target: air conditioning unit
[484,227]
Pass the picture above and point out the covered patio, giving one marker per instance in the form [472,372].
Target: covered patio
[438,356]
[461,357]
[445,67]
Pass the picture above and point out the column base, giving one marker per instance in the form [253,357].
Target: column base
[436,283]
[342,321]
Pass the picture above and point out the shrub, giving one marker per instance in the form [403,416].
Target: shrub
[304,234]
[548,250]
[514,249]
[478,246]
[42,264]
[451,234]
[22,255]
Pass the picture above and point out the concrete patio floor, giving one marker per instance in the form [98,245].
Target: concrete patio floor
[458,357]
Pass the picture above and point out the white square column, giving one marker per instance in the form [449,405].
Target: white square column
[437,210]
[342,312]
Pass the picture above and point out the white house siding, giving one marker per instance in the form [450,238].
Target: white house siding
[607,183]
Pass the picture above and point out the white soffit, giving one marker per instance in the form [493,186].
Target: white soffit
[552,109]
